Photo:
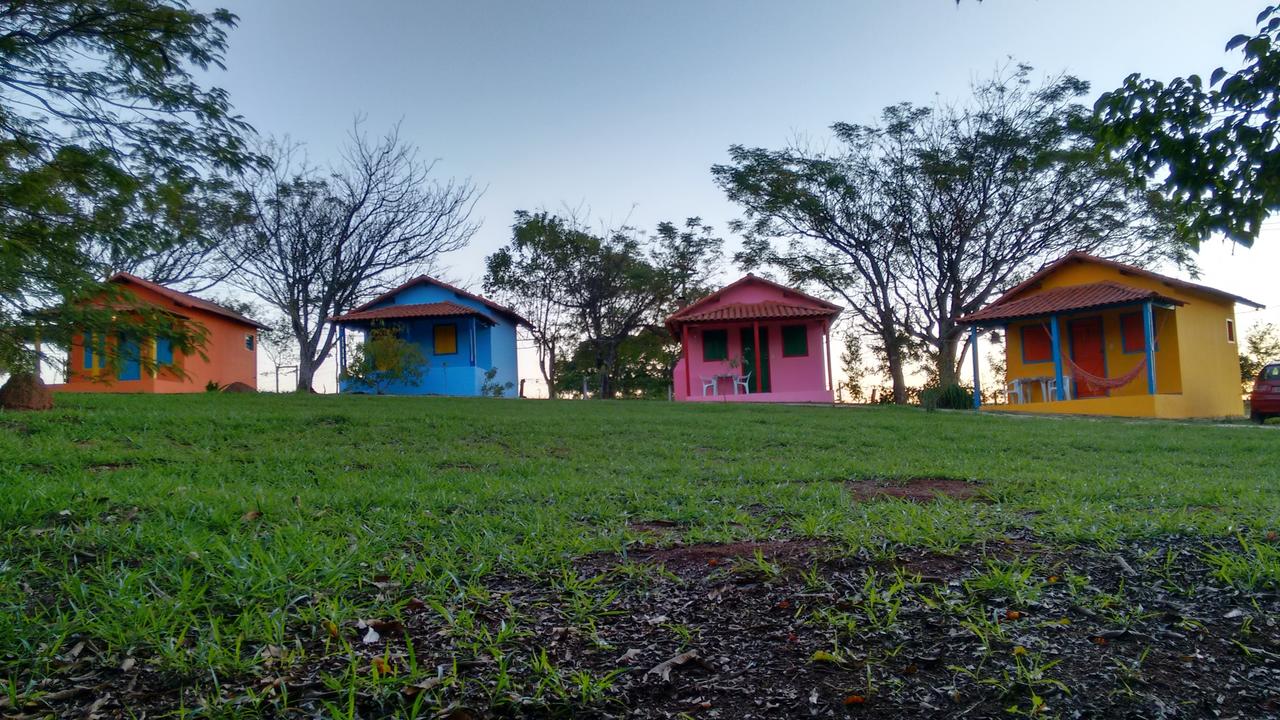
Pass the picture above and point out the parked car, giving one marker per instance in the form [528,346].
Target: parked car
[1264,402]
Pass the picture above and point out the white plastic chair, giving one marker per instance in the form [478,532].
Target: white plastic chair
[1015,391]
[744,382]
[1051,386]
[708,383]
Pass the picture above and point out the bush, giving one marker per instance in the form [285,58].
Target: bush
[948,397]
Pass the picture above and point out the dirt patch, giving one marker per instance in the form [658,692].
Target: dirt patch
[695,560]
[1052,632]
[661,528]
[915,489]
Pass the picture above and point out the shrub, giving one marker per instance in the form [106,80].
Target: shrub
[384,359]
[947,397]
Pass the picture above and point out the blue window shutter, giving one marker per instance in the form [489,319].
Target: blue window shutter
[88,351]
[164,351]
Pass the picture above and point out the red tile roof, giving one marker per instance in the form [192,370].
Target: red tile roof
[770,310]
[182,299]
[1077,256]
[1065,299]
[416,310]
[767,310]
[428,280]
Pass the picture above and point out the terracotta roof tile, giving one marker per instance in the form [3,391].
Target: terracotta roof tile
[186,300]
[1065,299]
[416,310]
[428,280]
[1077,256]
[767,310]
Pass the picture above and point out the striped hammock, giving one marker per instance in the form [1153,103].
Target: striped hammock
[1105,383]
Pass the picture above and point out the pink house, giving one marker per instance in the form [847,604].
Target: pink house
[754,341]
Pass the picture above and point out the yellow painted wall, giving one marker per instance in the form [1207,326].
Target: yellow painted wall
[1194,359]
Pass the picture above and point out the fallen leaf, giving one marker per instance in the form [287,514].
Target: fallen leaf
[414,605]
[854,700]
[1013,615]
[1019,650]
[251,516]
[421,686]
[332,628]
[379,666]
[371,637]
[128,664]
[628,656]
[387,627]
[663,669]
[824,656]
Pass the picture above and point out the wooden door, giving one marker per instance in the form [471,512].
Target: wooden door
[1088,350]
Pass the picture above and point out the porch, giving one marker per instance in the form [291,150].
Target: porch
[1091,350]
[454,342]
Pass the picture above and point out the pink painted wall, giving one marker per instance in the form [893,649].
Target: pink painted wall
[793,379]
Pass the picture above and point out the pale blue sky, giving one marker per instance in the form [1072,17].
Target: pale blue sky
[622,107]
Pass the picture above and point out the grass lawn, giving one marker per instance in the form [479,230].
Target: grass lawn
[291,556]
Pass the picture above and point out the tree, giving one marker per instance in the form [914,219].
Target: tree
[319,244]
[593,292]
[825,220]
[103,132]
[1210,148]
[985,194]
[384,359]
[924,217]
[852,366]
[1261,347]
[526,276]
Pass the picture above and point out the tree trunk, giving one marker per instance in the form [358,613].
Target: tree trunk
[898,375]
[948,372]
[306,374]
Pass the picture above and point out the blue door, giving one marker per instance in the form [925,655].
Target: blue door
[130,359]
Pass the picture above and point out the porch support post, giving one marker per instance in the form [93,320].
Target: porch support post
[342,357]
[1149,335]
[684,348]
[977,381]
[826,356]
[472,343]
[759,381]
[1056,339]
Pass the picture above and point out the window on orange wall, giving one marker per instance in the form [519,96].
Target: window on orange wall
[1231,330]
[1133,335]
[1037,347]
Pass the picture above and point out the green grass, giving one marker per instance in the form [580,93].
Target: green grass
[193,532]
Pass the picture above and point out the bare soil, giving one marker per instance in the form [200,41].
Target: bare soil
[915,489]
[1144,630]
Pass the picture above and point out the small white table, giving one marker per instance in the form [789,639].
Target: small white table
[731,377]
[1024,386]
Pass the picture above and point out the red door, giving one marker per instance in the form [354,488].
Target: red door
[1088,351]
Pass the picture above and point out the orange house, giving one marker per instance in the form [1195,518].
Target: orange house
[230,352]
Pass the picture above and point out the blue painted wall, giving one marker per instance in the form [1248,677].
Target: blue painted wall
[455,373]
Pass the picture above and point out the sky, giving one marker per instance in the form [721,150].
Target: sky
[621,108]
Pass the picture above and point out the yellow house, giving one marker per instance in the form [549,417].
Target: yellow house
[1093,336]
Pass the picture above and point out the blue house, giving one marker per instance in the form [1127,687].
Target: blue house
[461,335]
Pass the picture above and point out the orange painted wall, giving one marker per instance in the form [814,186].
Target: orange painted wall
[227,358]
